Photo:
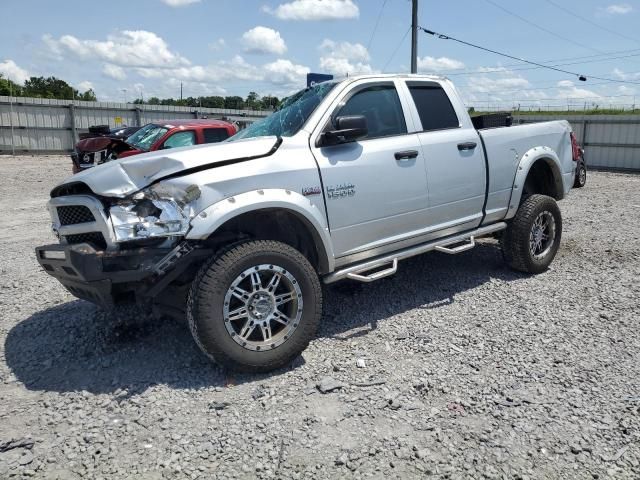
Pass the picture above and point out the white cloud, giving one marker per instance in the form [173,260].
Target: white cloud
[344,58]
[179,3]
[619,9]
[218,45]
[432,64]
[84,86]
[567,89]
[350,51]
[114,71]
[134,48]
[263,40]
[284,72]
[280,72]
[622,75]
[9,69]
[315,10]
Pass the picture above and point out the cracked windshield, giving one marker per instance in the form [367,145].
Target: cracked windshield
[291,116]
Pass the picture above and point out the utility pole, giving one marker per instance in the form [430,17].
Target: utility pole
[181,91]
[414,36]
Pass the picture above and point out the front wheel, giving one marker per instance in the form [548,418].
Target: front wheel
[256,306]
[532,239]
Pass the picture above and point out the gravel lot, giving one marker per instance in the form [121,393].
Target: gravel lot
[456,367]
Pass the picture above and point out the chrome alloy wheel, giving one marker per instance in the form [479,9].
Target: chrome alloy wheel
[543,235]
[262,307]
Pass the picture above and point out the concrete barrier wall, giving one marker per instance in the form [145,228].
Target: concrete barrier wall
[37,125]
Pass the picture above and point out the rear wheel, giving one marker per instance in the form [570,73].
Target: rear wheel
[532,239]
[256,306]
[581,176]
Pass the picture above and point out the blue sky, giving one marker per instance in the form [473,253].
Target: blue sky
[231,47]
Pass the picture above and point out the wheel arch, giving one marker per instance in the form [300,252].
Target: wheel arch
[539,172]
[270,214]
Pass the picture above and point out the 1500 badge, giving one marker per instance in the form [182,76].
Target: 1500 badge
[341,191]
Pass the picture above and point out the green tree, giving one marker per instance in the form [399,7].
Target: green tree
[234,102]
[269,103]
[49,87]
[253,100]
[8,87]
[154,101]
[88,96]
[212,102]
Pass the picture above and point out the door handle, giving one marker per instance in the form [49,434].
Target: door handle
[406,155]
[467,146]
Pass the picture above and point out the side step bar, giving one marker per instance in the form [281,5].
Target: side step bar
[358,270]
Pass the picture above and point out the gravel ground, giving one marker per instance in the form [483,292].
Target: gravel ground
[455,367]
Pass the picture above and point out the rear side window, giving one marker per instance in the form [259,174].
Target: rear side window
[434,106]
[381,107]
[215,135]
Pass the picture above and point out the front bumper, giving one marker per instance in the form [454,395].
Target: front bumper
[101,277]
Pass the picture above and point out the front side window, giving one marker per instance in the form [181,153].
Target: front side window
[381,106]
[180,139]
[215,135]
[434,106]
[144,138]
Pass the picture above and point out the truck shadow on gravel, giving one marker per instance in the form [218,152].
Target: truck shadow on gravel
[70,347]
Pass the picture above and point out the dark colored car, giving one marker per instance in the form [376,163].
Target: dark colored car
[581,166]
[93,151]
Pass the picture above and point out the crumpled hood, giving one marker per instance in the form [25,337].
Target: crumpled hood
[120,178]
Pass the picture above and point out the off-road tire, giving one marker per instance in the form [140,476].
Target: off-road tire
[205,305]
[581,179]
[516,238]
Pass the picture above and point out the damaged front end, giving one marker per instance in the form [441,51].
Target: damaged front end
[123,226]
[122,250]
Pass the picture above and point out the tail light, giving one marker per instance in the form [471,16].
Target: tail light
[575,148]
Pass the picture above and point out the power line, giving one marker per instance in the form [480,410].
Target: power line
[375,28]
[533,24]
[584,19]
[581,77]
[593,97]
[502,69]
[396,50]
[532,89]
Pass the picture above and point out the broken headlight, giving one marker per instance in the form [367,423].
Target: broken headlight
[147,218]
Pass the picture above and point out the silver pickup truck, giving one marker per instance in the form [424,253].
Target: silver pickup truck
[345,180]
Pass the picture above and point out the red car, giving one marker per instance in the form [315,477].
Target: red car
[153,136]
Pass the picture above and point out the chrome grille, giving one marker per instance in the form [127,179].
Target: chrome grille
[94,238]
[81,218]
[74,214]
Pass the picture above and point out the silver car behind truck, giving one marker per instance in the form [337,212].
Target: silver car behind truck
[345,180]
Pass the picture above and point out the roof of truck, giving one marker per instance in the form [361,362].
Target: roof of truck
[394,75]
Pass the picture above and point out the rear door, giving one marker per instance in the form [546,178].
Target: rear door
[453,155]
[375,188]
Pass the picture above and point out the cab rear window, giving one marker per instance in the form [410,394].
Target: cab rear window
[215,135]
[434,106]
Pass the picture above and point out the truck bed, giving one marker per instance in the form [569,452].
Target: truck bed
[505,147]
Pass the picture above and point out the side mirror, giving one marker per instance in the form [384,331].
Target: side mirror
[347,129]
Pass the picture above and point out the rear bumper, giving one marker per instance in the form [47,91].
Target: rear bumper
[100,277]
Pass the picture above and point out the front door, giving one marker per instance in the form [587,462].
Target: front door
[375,188]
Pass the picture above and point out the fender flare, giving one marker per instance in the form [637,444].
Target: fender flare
[213,217]
[527,161]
